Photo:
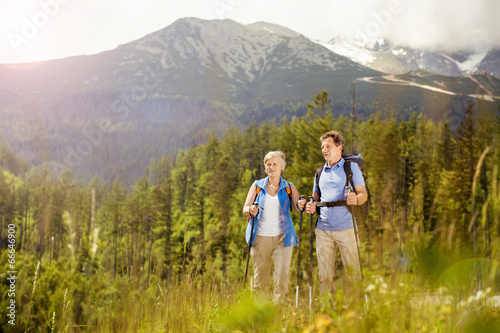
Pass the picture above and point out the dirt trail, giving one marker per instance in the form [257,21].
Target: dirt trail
[395,81]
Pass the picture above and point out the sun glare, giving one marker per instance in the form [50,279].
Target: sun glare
[13,14]
[25,30]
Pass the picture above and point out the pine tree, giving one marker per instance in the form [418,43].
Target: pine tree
[223,183]
[465,165]
[320,103]
[114,206]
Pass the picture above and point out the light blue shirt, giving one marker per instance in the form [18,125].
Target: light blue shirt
[289,230]
[332,183]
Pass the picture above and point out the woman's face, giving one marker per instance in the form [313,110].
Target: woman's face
[273,167]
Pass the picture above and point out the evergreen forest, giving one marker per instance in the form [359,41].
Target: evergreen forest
[168,254]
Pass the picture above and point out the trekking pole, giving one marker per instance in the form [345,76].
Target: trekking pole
[356,235]
[250,244]
[298,258]
[310,254]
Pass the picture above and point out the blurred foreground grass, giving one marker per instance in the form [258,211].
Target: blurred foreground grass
[462,299]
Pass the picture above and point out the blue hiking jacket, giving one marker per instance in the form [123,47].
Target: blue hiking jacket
[290,235]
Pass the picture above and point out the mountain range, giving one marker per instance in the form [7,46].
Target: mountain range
[382,55]
[111,112]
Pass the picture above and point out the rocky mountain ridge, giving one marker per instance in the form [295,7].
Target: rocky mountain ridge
[381,55]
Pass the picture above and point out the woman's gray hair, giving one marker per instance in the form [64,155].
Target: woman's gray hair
[276,153]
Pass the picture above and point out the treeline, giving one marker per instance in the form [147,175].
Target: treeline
[429,184]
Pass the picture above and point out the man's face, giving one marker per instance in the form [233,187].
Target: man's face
[331,152]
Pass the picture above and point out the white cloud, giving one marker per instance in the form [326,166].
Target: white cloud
[450,24]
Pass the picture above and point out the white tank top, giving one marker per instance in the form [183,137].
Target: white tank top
[270,221]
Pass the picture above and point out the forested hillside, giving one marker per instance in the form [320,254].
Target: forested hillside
[103,257]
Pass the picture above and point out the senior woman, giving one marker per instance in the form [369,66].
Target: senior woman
[274,234]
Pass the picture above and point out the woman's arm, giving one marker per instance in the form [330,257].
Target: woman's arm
[249,201]
[295,198]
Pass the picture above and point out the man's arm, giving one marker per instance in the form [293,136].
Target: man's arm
[361,195]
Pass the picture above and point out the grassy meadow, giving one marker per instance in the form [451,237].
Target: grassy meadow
[168,254]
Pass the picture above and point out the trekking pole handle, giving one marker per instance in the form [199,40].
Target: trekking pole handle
[349,191]
[255,204]
[302,197]
[311,199]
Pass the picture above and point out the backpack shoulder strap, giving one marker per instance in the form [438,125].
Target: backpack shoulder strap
[318,173]
[257,191]
[348,173]
[289,192]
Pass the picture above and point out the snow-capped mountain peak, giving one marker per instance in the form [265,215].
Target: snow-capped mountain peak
[469,65]
[362,56]
[382,55]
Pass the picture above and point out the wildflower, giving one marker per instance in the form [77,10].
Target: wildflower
[446,310]
[383,288]
[442,290]
[323,321]
[494,301]
[370,287]
[350,318]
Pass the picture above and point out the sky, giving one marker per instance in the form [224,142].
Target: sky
[37,30]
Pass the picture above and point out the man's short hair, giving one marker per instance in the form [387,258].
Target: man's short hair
[338,139]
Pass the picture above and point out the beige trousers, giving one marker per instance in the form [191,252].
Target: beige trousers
[327,243]
[265,252]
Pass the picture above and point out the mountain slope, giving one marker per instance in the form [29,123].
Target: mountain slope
[110,113]
[219,60]
[491,63]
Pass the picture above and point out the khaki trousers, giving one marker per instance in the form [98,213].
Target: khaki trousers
[265,252]
[327,243]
